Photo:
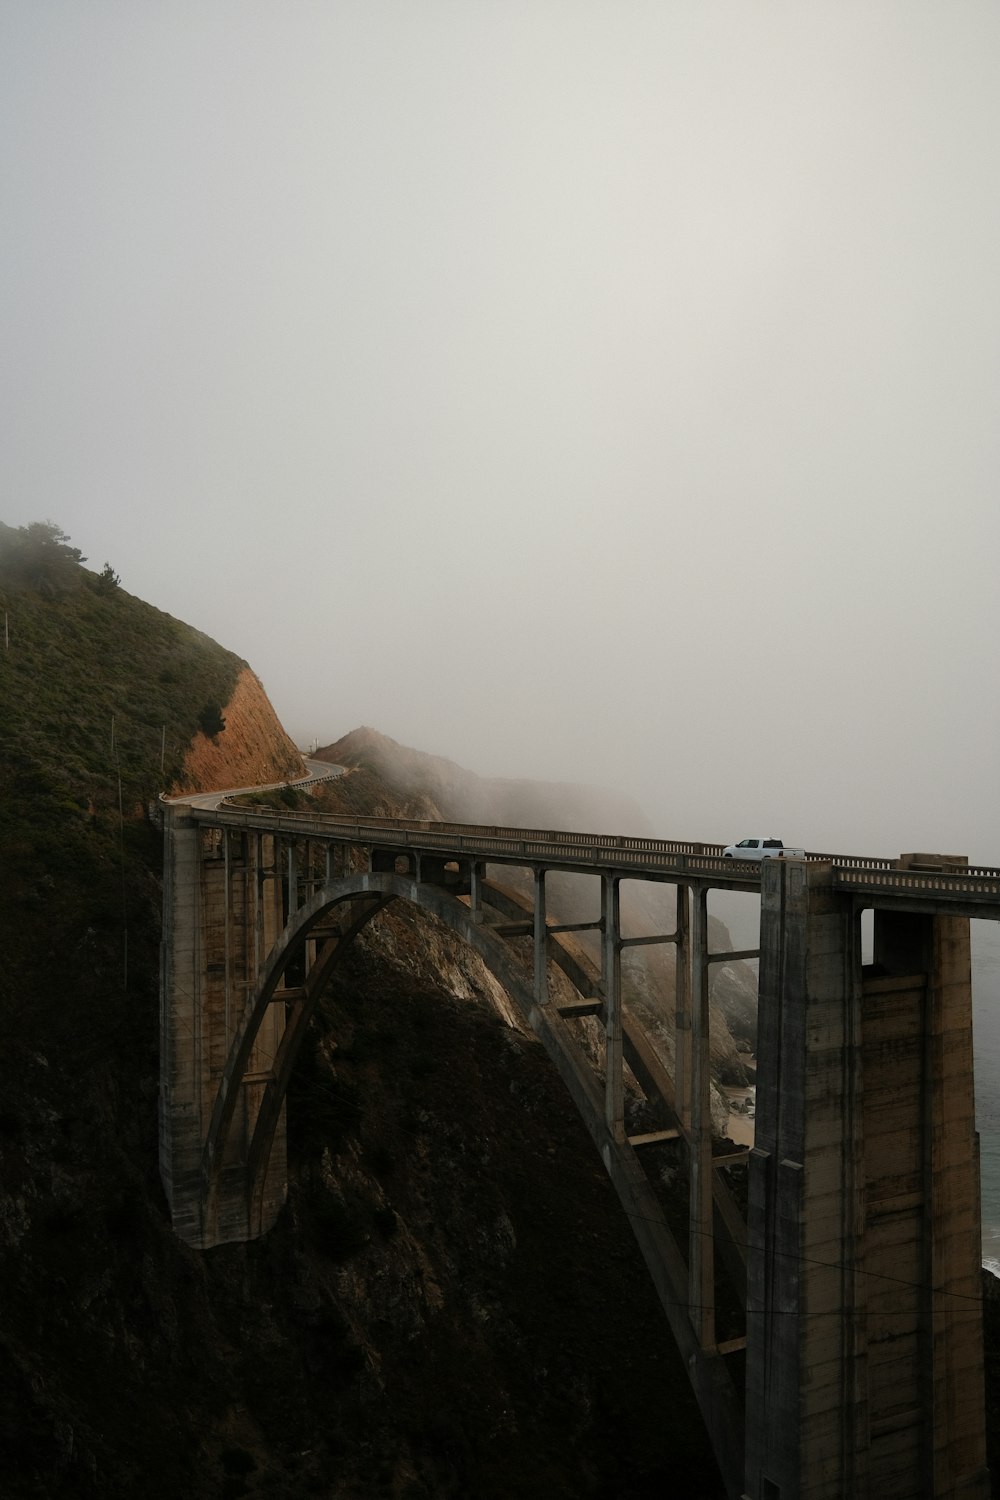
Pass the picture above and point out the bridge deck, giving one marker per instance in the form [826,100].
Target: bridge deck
[972,891]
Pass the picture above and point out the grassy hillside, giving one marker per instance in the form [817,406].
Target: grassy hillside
[100,696]
[95,682]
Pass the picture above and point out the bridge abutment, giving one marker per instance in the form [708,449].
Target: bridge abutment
[223,900]
[864,1346]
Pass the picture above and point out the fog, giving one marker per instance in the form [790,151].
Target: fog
[599,391]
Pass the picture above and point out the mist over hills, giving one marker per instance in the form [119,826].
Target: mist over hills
[470,798]
[452,1303]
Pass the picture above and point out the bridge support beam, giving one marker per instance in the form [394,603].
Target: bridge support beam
[701,1249]
[864,1351]
[611,985]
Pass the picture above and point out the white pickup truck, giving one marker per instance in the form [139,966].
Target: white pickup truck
[761,849]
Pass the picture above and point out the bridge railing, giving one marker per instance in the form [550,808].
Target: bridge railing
[646,856]
[854,861]
[981,882]
[495,830]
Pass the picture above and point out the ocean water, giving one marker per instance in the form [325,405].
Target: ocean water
[986,1042]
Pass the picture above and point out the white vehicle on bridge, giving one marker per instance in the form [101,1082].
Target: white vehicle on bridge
[761,849]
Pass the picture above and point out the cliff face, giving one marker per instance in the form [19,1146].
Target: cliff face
[252,750]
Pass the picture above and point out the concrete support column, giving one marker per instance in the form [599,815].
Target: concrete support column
[254,893]
[181,1043]
[806,1418]
[221,911]
[541,942]
[701,1256]
[864,1352]
[476,871]
[682,1008]
[231,907]
[922,1222]
[611,979]
[292,900]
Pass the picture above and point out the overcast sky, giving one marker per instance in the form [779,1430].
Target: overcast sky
[595,391]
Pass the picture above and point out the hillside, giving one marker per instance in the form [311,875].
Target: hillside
[452,1303]
[103,698]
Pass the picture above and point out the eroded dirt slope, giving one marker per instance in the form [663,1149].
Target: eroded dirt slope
[253,748]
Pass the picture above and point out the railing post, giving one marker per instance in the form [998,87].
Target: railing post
[701,1258]
[611,968]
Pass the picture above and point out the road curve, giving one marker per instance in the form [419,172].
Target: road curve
[316,771]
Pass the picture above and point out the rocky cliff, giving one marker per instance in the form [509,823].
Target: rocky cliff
[252,750]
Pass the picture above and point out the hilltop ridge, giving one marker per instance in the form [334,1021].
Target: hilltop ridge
[471,798]
[99,686]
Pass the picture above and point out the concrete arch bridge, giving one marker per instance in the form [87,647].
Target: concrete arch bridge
[833,1331]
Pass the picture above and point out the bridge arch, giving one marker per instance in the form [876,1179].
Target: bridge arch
[318,936]
[316,939]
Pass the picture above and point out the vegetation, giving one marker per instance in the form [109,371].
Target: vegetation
[282,799]
[101,697]
[40,557]
[211,720]
[107,580]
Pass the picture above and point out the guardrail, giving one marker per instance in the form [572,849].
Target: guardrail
[494,830]
[983,882]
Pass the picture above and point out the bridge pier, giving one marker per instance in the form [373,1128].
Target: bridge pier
[223,900]
[701,1238]
[864,1351]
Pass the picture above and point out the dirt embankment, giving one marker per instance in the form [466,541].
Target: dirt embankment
[253,749]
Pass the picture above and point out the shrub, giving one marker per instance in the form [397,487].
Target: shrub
[211,721]
[40,556]
[107,580]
